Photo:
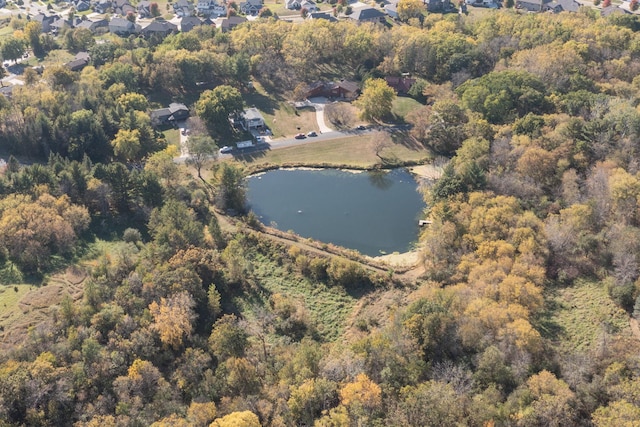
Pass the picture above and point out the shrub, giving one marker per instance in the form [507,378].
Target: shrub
[131,235]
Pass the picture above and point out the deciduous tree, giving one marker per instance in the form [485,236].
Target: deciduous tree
[376,99]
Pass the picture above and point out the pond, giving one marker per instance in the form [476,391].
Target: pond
[372,212]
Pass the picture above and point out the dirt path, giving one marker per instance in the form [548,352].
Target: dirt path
[635,328]
[407,271]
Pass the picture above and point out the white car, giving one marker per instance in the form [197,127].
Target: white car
[226,149]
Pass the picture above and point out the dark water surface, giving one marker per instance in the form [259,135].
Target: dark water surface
[372,212]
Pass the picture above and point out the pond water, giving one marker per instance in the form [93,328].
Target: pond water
[372,212]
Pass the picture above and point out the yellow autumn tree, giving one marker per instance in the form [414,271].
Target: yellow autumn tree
[237,419]
[361,395]
[173,319]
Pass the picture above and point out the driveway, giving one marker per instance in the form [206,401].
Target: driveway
[184,137]
[319,103]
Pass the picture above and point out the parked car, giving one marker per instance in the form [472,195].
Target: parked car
[312,133]
[226,149]
[361,127]
[300,136]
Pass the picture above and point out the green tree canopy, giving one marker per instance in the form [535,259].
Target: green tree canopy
[215,106]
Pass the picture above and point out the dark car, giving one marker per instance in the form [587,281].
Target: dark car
[361,127]
[312,133]
[300,136]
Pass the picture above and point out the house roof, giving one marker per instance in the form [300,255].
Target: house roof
[120,22]
[347,85]
[322,15]
[607,11]
[160,114]
[77,64]
[230,21]
[367,13]
[167,114]
[190,20]
[41,17]
[83,55]
[400,84]
[160,27]
[391,7]
[568,5]
[60,23]
[252,114]
[174,107]
[91,25]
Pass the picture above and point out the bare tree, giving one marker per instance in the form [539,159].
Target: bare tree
[340,115]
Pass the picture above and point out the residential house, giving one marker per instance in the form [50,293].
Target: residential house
[293,4]
[183,8]
[45,21]
[558,6]
[252,119]
[392,10]
[123,27]
[532,5]
[81,60]
[159,28]
[102,6]
[60,24]
[368,14]
[211,8]
[188,23]
[228,24]
[613,10]
[94,26]
[309,5]
[251,7]
[322,15]
[122,7]
[344,89]
[81,5]
[144,9]
[175,112]
[442,6]
[402,84]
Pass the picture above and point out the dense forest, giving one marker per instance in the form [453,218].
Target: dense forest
[178,323]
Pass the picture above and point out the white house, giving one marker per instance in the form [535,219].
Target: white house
[293,4]
[252,119]
[309,5]
[211,8]
[251,7]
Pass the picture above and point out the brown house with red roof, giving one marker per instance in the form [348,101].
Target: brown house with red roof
[344,89]
[401,84]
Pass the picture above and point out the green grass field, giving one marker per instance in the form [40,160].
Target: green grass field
[581,314]
[281,117]
[173,137]
[328,307]
[402,106]
[356,150]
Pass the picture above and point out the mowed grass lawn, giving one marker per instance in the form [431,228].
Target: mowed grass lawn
[281,117]
[402,106]
[356,151]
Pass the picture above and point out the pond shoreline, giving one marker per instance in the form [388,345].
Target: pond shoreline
[320,166]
